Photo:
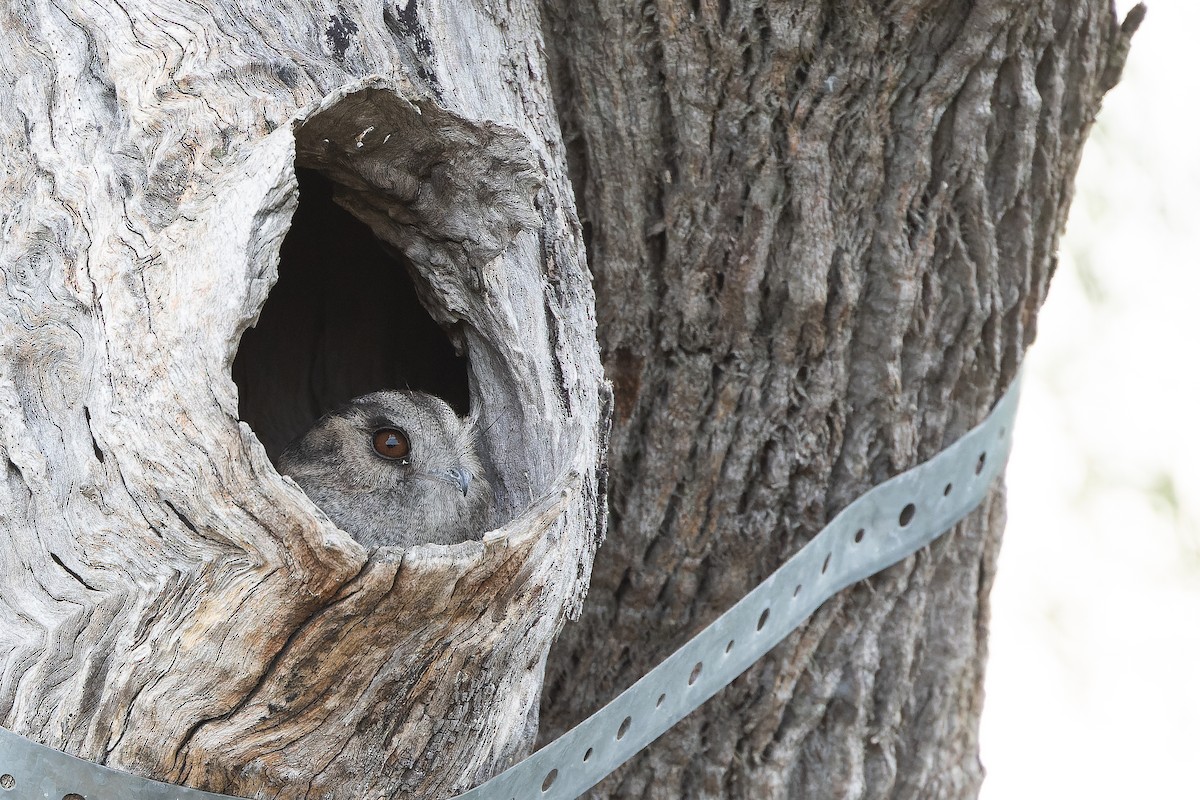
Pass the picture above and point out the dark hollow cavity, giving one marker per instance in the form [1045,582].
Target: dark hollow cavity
[343,320]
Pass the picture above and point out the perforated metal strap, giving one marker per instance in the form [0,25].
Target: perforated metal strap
[884,526]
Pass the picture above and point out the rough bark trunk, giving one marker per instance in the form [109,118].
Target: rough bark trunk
[168,604]
[820,233]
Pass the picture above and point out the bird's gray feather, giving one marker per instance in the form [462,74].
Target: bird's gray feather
[440,495]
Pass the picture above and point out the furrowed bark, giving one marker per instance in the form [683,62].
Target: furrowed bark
[821,234]
[170,605]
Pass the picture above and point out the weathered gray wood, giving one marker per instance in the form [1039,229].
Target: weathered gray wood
[168,604]
[821,233]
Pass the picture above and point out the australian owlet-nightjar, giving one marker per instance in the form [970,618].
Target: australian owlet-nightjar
[394,468]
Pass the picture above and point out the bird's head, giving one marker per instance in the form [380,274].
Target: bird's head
[395,455]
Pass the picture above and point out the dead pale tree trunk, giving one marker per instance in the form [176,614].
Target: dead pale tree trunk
[168,604]
[820,234]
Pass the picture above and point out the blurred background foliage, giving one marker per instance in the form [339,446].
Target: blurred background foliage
[1094,674]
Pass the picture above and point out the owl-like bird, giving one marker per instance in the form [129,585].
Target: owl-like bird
[394,468]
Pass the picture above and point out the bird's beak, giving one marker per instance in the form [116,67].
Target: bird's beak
[459,477]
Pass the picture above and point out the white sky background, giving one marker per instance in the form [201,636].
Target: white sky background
[1093,687]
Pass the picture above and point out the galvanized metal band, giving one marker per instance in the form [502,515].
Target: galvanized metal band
[30,771]
[887,524]
[879,529]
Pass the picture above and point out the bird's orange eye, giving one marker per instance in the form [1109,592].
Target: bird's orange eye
[391,443]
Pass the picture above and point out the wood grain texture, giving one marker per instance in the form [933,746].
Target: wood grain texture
[168,604]
[821,234]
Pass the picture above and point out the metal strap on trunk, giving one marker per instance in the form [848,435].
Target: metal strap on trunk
[879,529]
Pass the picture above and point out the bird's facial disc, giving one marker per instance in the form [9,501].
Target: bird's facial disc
[423,439]
[394,468]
